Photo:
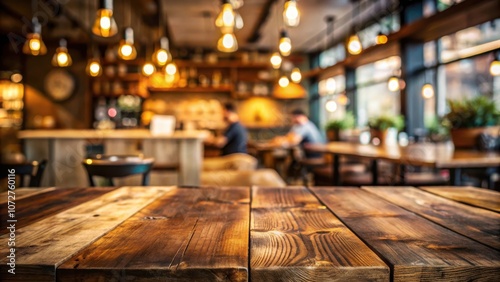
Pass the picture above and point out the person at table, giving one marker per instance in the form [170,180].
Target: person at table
[234,139]
[302,132]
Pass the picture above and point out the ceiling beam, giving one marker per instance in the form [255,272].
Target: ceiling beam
[264,15]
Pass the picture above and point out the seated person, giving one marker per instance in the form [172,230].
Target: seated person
[235,137]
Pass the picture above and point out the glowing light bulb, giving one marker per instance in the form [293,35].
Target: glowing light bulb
[62,58]
[331,106]
[296,76]
[127,50]
[148,69]
[226,18]
[171,69]
[285,44]
[393,84]
[104,24]
[283,81]
[34,44]
[291,14]
[94,68]
[330,85]
[227,43]
[381,38]
[427,91]
[354,45]
[276,60]
[495,68]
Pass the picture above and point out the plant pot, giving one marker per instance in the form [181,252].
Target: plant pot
[467,137]
[333,135]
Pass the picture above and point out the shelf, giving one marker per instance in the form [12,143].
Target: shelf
[191,89]
[133,77]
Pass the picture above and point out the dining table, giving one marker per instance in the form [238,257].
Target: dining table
[438,156]
[254,233]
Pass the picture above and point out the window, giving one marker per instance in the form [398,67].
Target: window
[332,56]
[333,101]
[386,25]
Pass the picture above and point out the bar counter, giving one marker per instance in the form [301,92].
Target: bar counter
[65,150]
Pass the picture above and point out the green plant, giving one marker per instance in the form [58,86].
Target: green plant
[470,113]
[386,121]
[347,122]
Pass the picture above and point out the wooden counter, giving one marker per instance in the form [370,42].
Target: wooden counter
[65,149]
[257,234]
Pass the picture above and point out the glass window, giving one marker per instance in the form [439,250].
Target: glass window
[386,25]
[332,56]
[470,41]
[445,4]
[333,101]
[378,71]
[430,56]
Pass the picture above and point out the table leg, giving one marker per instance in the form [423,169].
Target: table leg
[374,172]
[456,176]
[336,170]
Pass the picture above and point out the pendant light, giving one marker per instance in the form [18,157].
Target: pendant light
[226,18]
[381,38]
[148,68]
[285,44]
[495,64]
[227,43]
[105,24]
[283,81]
[296,76]
[291,14]
[427,88]
[93,68]
[171,69]
[34,44]
[162,55]
[62,57]
[126,50]
[393,84]
[276,60]
[354,46]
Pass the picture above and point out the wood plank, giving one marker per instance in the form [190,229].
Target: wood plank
[476,223]
[44,245]
[416,249]
[22,193]
[39,206]
[295,238]
[186,235]
[477,197]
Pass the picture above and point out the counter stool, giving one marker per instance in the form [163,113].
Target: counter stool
[33,169]
[110,167]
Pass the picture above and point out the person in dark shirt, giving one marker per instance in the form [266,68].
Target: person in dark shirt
[234,139]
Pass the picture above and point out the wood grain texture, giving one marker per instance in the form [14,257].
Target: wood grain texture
[36,207]
[295,238]
[24,192]
[416,249]
[45,244]
[478,197]
[186,235]
[476,223]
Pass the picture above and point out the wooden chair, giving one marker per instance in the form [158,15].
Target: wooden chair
[110,167]
[32,169]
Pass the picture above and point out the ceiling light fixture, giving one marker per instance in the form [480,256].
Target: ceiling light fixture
[127,50]
[283,81]
[227,43]
[393,84]
[171,69]
[285,44]
[427,91]
[291,14]
[34,44]
[62,57]
[105,24]
[354,46]
[296,76]
[276,60]
[162,55]
[226,20]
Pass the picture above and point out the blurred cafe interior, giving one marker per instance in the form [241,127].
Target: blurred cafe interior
[235,92]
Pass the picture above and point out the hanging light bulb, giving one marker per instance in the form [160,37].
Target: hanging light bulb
[291,14]
[34,44]
[226,18]
[238,21]
[105,24]
[427,91]
[148,69]
[495,65]
[381,38]
[236,3]
[171,69]
[126,50]
[283,81]
[62,58]
[296,76]
[285,44]
[227,43]
[354,45]
[162,55]
[393,84]
[94,68]
[276,60]
[331,106]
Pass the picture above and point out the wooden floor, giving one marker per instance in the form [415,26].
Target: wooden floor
[252,234]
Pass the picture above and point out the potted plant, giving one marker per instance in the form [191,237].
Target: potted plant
[437,132]
[380,125]
[467,119]
[334,126]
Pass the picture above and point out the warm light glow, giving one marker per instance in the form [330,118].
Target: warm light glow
[283,82]
[495,68]
[354,45]
[330,85]
[226,18]
[296,76]
[285,45]
[427,91]
[238,21]
[393,84]
[343,100]
[276,60]
[34,45]
[227,43]
[381,39]
[291,14]
[104,24]
[148,69]
[16,77]
[126,50]
[94,68]
[162,55]
[62,58]
[171,69]
[331,106]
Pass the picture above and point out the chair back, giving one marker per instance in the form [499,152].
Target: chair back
[110,167]
[32,169]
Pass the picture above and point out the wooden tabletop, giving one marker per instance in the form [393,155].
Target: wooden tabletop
[424,154]
[257,234]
